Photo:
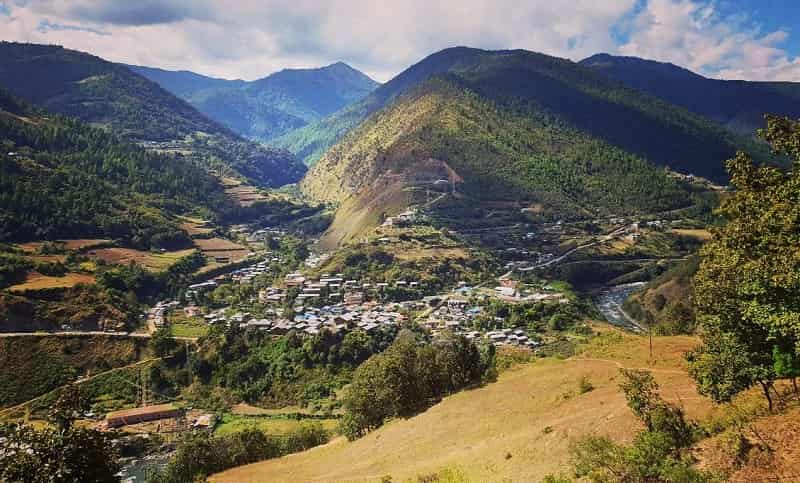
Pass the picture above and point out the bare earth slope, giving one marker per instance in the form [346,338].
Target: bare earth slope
[497,432]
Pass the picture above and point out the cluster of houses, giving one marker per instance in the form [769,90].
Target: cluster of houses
[262,234]
[247,274]
[457,316]
[243,275]
[315,259]
[333,289]
[157,315]
[369,317]
[403,219]
[531,259]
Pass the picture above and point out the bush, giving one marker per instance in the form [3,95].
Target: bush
[409,376]
[202,454]
[584,385]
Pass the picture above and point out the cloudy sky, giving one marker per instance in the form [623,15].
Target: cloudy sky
[745,39]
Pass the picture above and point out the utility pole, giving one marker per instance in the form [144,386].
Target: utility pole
[189,362]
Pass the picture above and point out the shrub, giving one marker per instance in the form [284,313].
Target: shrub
[584,385]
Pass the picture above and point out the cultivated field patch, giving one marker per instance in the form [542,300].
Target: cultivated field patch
[151,260]
[37,281]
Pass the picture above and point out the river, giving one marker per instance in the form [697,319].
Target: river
[609,302]
[138,469]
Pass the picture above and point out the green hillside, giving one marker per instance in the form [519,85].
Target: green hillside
[588,101]
[735,104]
[111,96]
[272,106]
[60,178]
[492,154]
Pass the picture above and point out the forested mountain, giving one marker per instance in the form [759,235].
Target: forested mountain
[111,96]
[516,126]
[588,101]
[269,107]
[738,105]
[60,178]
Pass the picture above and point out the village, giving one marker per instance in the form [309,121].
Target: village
[307,305]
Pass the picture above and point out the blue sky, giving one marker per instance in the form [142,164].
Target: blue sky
[771,15]
[744,39]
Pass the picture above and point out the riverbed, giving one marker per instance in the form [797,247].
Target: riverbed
[609,302]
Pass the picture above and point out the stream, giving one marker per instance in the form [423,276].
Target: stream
[609,302]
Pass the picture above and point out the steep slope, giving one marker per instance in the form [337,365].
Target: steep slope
[738,105]
[60,178]
[444,130]
[588,101]
[111,96]
[514,126]
[266,108]
[517,429]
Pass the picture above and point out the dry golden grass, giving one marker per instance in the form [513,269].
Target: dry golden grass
[150,260]
[358,215]
[37,281]
[498,432]
[76,244]
[700,234]
[217,244]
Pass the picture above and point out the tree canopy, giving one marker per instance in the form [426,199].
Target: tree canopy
[747,288]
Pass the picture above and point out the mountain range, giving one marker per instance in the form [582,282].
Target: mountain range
[539,136]
[735,104]
[266,108]
[555,136]
[113,97]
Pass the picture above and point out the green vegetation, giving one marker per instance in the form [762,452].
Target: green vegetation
[658,454]
[585,100]
[33,365]
[738,106]
[746,291]
[60,452]
[665,303]
[68,180]
[409,377]
[270,424]
[112,96]
[200,455]
[269,107]
[286,371]
[500,153]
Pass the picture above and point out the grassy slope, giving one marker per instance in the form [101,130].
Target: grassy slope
[496,433]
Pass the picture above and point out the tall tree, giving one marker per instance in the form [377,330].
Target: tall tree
[747,289]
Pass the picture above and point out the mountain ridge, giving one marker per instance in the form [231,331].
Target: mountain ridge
[113,97]
[736,104]
[517,126]
[265,108]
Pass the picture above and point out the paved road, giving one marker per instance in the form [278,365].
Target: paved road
[602,239]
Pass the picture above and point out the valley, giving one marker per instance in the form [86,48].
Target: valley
[498,265]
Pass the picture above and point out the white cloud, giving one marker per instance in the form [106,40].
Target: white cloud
[251,38]
[694,35]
